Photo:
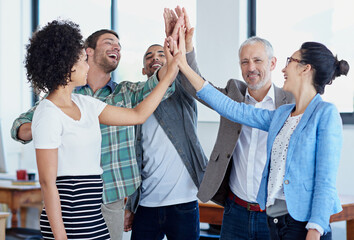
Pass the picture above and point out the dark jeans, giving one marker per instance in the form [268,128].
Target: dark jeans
[179,222]
[239,223]
[287,228]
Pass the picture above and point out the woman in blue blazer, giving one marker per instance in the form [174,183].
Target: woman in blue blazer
[298,185]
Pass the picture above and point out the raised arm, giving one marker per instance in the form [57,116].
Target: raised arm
[171,28]
[172,24]
[112,115]
[196,80]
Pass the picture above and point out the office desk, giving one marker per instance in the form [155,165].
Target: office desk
[3,217]
[19,196]
[212,213]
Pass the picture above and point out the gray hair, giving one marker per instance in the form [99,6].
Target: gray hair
[252,40]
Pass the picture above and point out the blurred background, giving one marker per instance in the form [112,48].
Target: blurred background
[221,26]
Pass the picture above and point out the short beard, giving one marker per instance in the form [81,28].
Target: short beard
[108,67]
[105,65]
[258,85]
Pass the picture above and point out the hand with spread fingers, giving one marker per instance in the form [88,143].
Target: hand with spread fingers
[181,12]
[171,51]
[172,24]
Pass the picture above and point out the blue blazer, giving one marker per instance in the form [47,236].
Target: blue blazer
[313,153]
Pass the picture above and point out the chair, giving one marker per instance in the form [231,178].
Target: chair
[23,234]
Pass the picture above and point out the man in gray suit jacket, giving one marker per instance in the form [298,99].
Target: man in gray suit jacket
[237,161]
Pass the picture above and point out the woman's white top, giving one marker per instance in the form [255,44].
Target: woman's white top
[278,160]
[78,141]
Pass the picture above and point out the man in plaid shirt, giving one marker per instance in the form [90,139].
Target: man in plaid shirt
[121,176]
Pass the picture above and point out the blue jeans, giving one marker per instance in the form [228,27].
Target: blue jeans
[239,223]
[179,222]
[287,228]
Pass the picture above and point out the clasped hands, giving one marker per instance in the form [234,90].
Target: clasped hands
[179,35]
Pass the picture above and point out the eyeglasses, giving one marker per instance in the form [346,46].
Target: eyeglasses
[291,59]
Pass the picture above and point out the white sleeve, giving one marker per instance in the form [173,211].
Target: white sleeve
[46,128]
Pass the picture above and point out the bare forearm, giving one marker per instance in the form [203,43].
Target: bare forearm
[148,106]
[117,116]
[162,72]
[313,234]
[196,81]
[53,209]
[24,132]
[47,163]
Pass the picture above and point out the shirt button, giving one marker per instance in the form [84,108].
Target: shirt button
[286,182]
[228,156]
[275,220]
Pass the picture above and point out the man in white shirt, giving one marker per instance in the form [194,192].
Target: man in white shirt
[172,165]
[237,161]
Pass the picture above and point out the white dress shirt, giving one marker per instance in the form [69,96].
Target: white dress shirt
[250,154]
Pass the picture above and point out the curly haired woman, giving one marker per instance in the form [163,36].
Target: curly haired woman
[66,131]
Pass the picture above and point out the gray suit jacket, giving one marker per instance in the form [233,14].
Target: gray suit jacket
[215,184]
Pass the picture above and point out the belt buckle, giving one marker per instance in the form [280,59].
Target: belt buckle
[249,206]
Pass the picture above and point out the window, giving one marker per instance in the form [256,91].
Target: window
[91,15]
[287,24]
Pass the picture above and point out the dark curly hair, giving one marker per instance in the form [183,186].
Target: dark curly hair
[326,66]
[51,54]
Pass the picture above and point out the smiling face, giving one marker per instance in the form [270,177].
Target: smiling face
[80,70]
[256,67]
[153,59]
[107,52]
[292,73]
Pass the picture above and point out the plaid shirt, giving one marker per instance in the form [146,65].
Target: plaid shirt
[121,176]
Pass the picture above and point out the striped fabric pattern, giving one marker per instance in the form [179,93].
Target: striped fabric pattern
[81,199]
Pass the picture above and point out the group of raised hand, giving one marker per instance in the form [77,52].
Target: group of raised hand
[176,20]
[179,41]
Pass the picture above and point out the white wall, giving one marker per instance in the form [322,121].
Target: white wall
[14,91]
[345,179]
[220,30]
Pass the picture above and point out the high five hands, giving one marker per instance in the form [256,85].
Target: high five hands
[175,20]
[179,35]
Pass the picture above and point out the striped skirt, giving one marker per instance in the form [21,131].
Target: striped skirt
[81,199]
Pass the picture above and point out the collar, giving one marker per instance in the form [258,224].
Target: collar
[268,97]
[111,85]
